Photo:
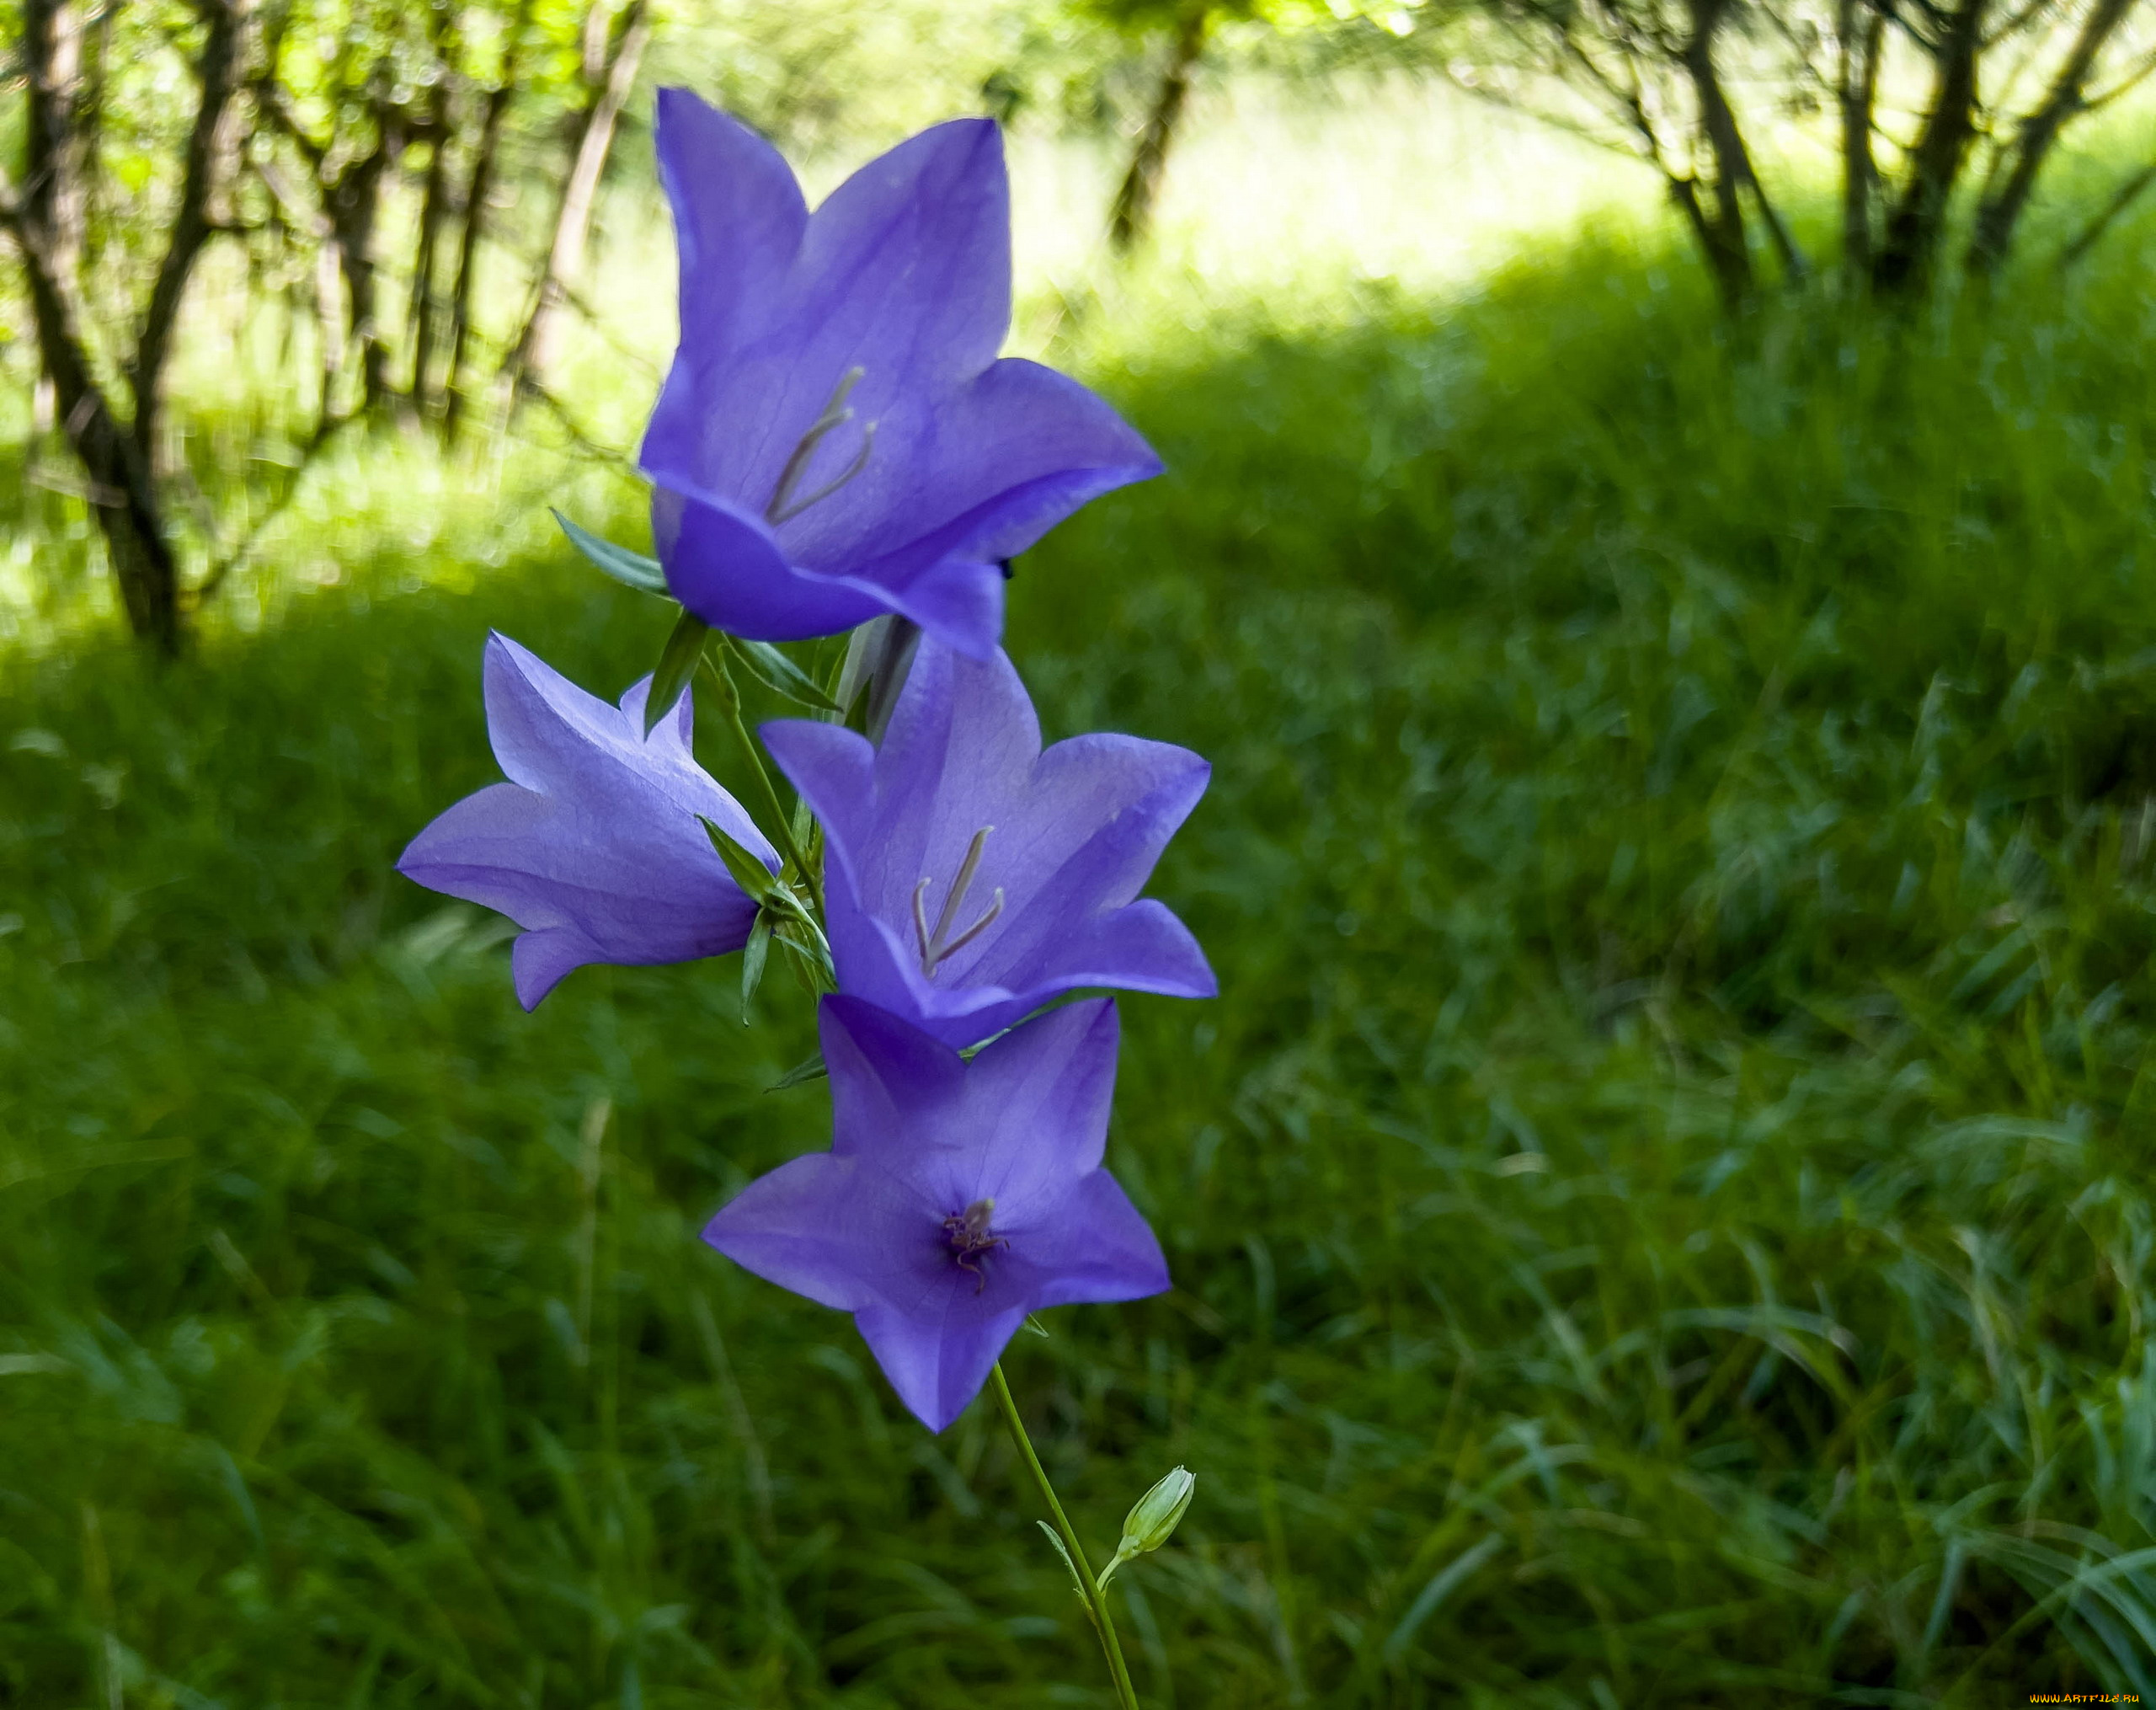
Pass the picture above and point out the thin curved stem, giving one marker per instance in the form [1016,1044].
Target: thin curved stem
[729,701]
[1096,1599]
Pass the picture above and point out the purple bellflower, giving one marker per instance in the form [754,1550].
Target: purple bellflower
[837,439]
[595,846]
[957,1195]
[974,877]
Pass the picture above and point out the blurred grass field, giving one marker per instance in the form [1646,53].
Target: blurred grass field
[1661,1210]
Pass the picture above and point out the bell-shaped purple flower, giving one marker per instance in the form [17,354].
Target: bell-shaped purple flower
[974,877]
[957,1196]
[837,438]
[595,846]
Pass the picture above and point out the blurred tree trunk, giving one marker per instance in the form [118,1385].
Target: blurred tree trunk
[45,222]
[348,178]
[1720,228]
[2000,211]
[609,82]
[121,495]
[423,312]
[479,187]
[353,201]
[56,136]
[1132,215]
[55,142]
[1857,95]
[1908,247]
[211,147]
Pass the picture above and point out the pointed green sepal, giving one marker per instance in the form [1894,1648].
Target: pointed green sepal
[753,878]
[677,664]
[812,956]
[780,674]
[813,1070]
[631,569]
[753,954]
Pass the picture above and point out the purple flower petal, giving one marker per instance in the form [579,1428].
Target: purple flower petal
[596,846]
[951,459]
[1072,834]
[957,1196]
[739,217]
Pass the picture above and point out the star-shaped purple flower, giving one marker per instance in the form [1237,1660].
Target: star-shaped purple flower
[957,1196]
[837,439]
[595,846]
[974,877]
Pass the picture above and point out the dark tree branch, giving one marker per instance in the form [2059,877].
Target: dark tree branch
[609,85]
[1140,189]
[2001,210]
[1857,95]
[477,189]
[2122,198]
[218,71]
[1910,244]
[122,497]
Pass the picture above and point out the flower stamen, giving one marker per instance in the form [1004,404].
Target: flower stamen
[784,507]
[967,1234]
[934,946]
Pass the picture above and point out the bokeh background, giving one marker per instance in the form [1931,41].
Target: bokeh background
[1662,1207]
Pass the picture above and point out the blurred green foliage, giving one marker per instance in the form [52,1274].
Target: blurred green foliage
[1662,1207]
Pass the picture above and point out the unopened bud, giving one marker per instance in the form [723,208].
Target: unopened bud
[1153,1518]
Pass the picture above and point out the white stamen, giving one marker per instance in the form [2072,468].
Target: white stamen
[835,414]
[934,946]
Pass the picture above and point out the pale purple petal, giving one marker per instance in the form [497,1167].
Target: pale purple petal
[938,1361]
[893,1088]
[540,960]
[1056,1074]
[926,1142]
[905,274]
[842,1230]
[1072,834]
[739,217]
[952,460]
[724,564]
[1091,1246]
[958,601]
[1058,446]
[597,848]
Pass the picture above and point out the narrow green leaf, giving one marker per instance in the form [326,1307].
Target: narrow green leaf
[631,569]
[748,873]
[1055,1538]
[781,675]
[812,961]
[677,664]
[813,1070]
[752,960]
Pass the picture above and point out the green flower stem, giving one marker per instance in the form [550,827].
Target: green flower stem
[729,700]
[1096,1599]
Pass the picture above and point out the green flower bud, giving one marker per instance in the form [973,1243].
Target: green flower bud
[1153,1518]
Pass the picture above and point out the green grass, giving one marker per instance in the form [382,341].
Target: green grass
[1660,1208]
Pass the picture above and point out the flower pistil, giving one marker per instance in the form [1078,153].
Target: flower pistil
[784,506]
[934,945]
[967,1233]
